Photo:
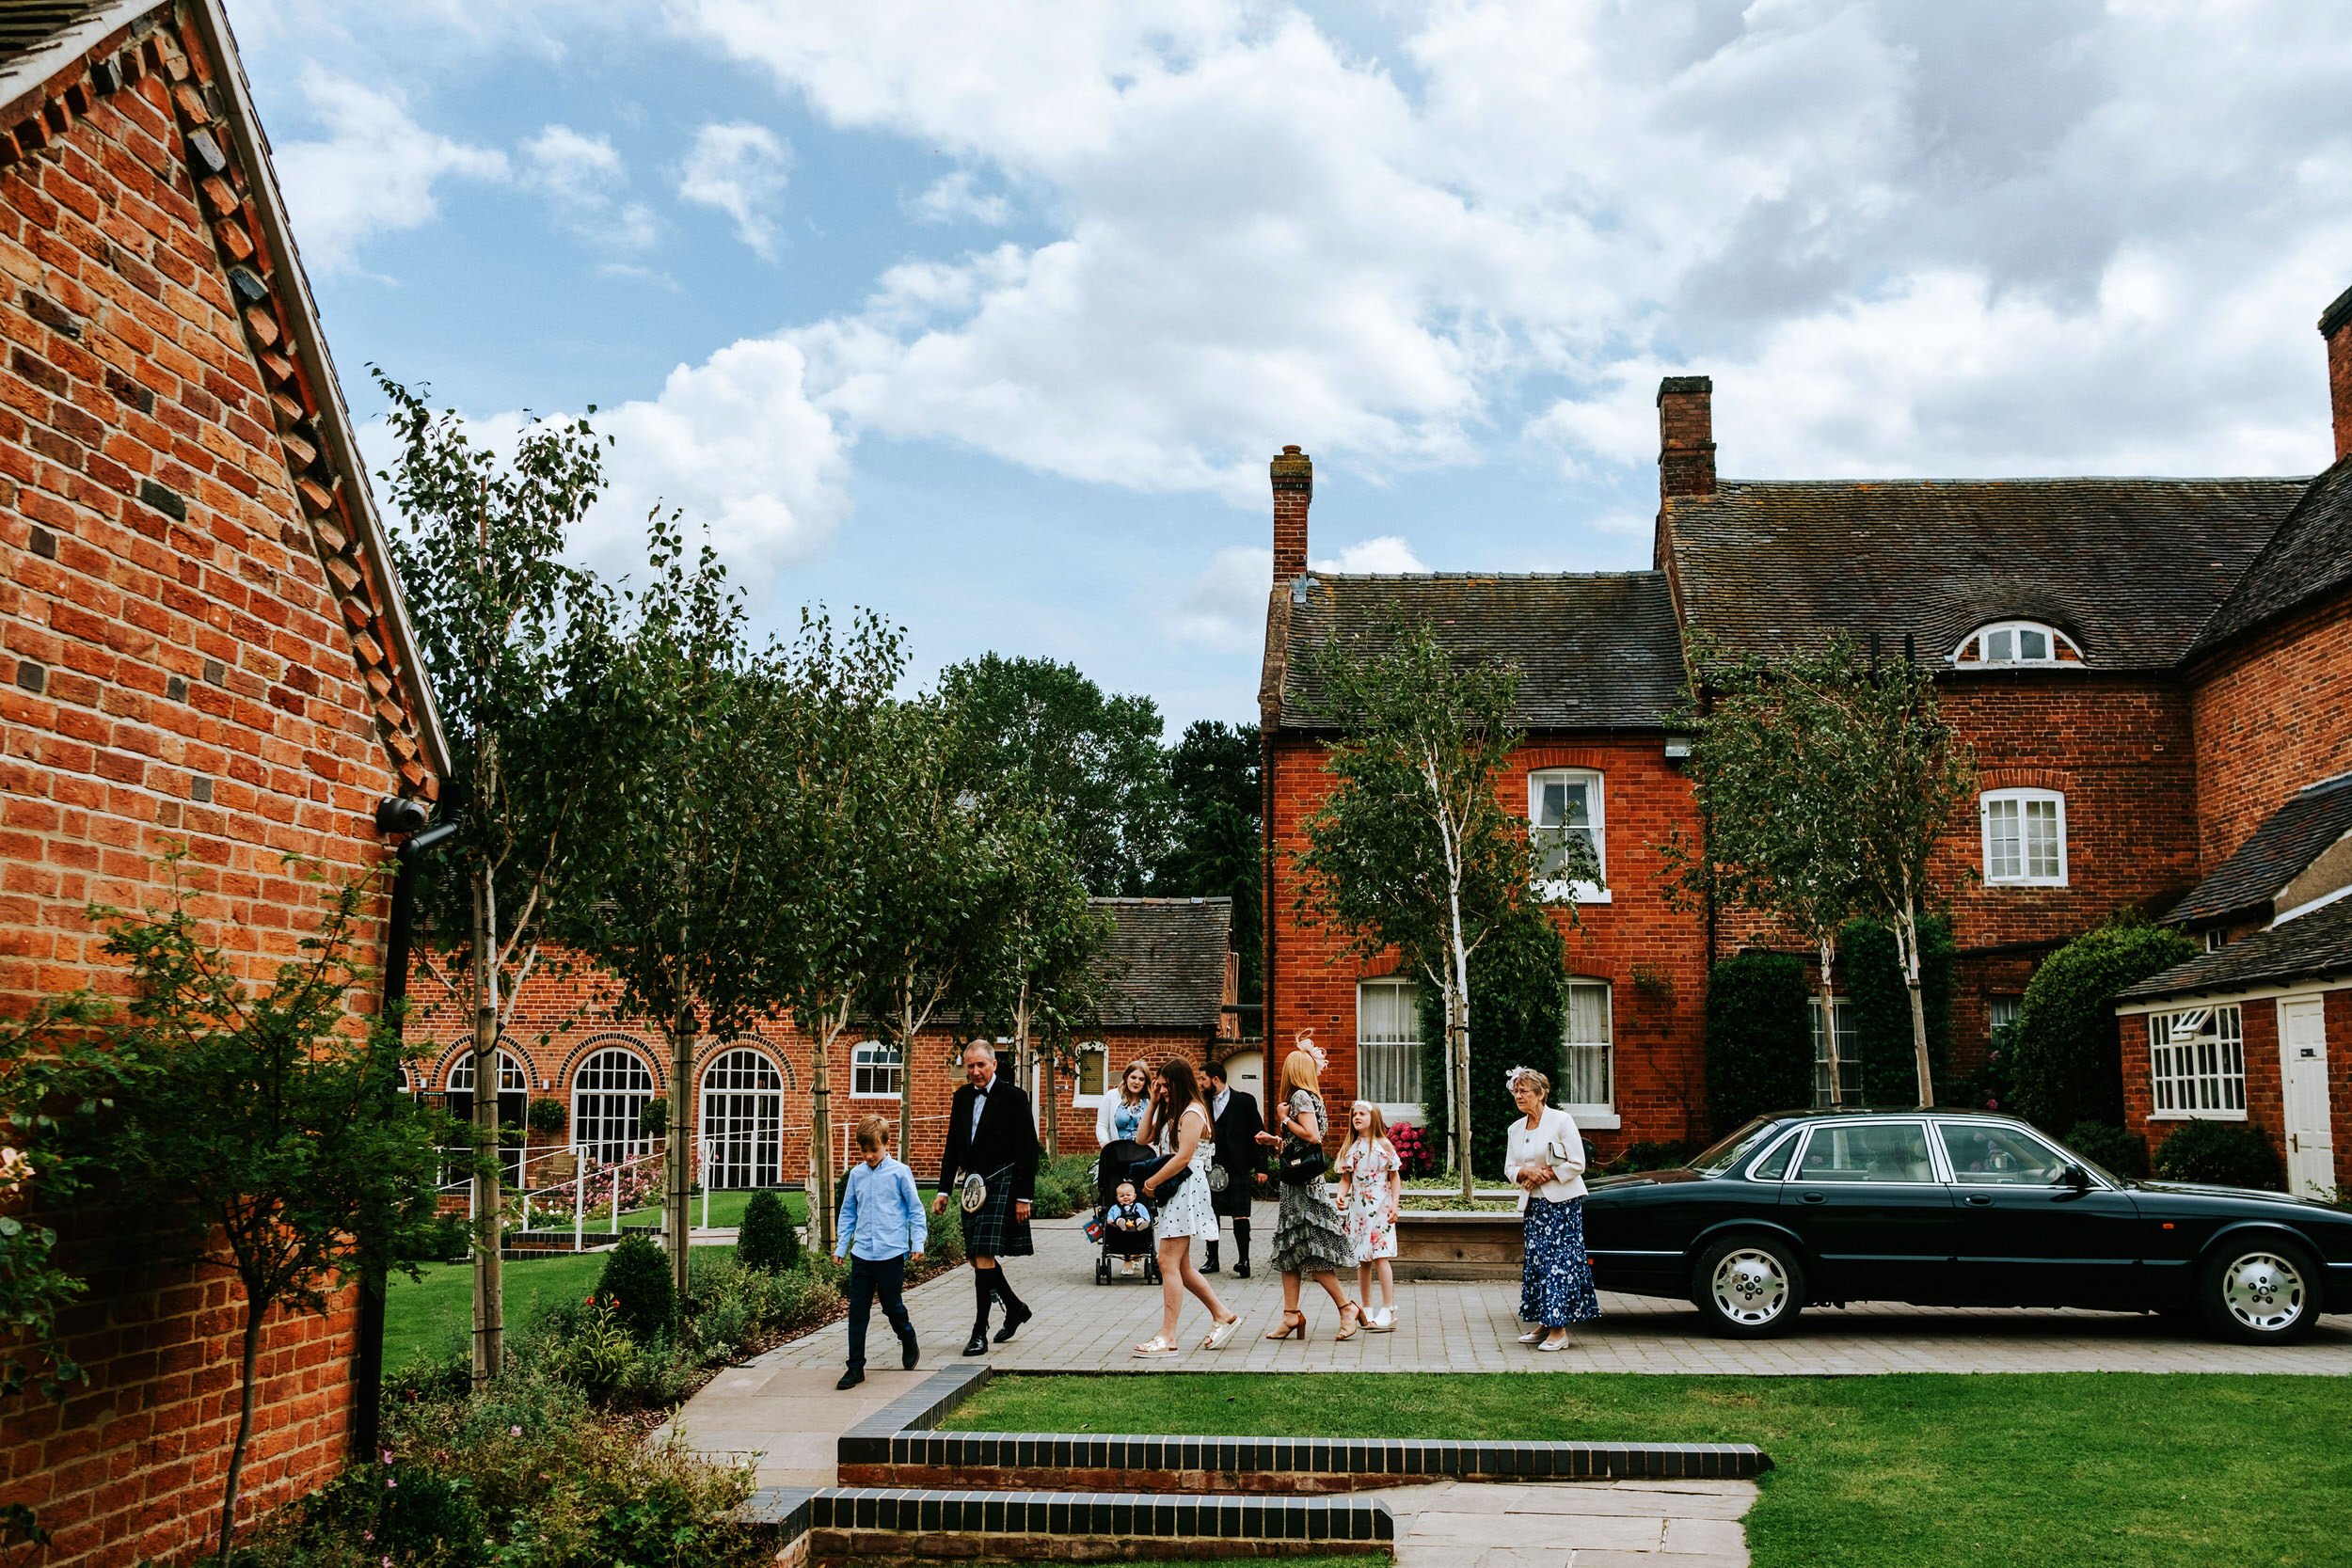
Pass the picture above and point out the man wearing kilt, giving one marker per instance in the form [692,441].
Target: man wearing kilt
[1234,1113]
[991,1136]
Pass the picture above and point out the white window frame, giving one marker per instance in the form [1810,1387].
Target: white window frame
[1994,1005]
[2021,799]
[1981,638]
[1599,1116]
[2196,1064]
[1077,1076]
[862,1067]
[1596,807]
[1848,1060]
[1412,987]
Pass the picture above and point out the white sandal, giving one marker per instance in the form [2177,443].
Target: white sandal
[1384,1323]
[1155,1346]
[1221,1333]
[1531,1337]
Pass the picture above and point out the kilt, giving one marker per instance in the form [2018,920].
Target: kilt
[990,1230]
[1233,1202]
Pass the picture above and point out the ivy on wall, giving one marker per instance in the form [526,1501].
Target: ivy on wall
[1519,1018]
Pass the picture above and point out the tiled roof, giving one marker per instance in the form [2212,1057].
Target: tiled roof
[1163,965]
[2311,554]
[2281,849]
[2132,569]
[2308,947]
[1595,650]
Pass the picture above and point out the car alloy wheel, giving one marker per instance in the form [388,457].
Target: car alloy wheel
[2263,1292]
[1749,1287]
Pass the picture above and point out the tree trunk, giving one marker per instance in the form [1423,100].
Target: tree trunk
[489,1293]
[1458,1051]
[676,1224]
[245,1425]
[1050,1112]
[820,1138]
[1829,1020]
[906,1083]
[1907,934]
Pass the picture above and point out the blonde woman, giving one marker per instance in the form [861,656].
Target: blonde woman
[1122,1113]
[1308,1237]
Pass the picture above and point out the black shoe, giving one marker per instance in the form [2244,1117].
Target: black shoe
[1241,1271]
[910,1353]
[978,1344]
[850,1379]
[1013,1319]
[1209,1267]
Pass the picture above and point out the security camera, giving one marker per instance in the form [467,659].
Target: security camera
[393,815]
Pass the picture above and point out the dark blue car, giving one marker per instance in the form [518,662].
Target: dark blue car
[1957,1209]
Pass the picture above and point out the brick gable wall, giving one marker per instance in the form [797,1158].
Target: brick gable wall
[2271,715]
[191,651]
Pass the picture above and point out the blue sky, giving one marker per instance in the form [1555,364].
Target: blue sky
[987,316]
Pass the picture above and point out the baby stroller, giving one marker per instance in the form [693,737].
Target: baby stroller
[1112,1166]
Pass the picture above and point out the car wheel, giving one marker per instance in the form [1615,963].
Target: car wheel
[2261,1292]
[1749,1288]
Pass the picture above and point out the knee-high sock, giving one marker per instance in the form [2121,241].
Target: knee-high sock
[1241,1241]
[983,1287]
[1004,1289]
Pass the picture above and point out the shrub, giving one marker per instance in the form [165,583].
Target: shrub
[1413,1153]
[1651,1156]
[768,1240]
[545,1118]
[2067,1064]
[1519,1018]
[2109,1147]
[636,1283]
[1871,978]
[2223,1153]
[653,1118]
[1989,1084]
[1759,1049]
[446,1239]
[945,1244]
[1065,1184]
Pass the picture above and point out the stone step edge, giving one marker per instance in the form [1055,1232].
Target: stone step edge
[783,1516]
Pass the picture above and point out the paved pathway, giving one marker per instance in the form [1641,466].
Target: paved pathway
[1626,1524]
[1470,1327]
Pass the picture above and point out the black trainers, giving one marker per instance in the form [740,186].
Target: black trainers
[909,1352]
[1013,1319]
[850,1379]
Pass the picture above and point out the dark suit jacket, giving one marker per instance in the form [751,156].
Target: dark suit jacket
[1238,1150]
[1007,1136]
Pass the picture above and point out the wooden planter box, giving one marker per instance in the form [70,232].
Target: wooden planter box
[1438,1244]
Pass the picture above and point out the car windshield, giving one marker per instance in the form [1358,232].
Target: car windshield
[1734,1148]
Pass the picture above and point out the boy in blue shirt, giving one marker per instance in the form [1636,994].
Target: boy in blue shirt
[882,1226]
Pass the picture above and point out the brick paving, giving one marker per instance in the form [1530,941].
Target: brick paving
[1471,1326]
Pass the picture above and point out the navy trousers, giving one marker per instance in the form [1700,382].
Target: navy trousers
[870,1277]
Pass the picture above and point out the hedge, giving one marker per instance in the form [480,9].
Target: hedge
[1519,1018]
[1759,1049]
[2068,1065]
[1871,978]
[2226,1154]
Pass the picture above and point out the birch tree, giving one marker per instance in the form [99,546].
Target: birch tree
[1413,851]
[478,544]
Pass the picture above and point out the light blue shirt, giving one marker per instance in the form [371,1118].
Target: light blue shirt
[881,1213]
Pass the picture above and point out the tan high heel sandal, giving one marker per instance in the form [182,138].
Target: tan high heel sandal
[1293,1323]
[1347,1329]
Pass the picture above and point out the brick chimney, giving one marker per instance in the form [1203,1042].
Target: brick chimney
[1686,438]
[1294,487]
[2335,325]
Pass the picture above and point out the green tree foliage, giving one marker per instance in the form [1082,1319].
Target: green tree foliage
[262,1127]
[2109,1146]
[1877,997]
[1213,849]
[2227,1154]
[479,545]
[768,1240]
[2068,1063]
[1760,1047]
[1412,853]
[1519,1018]
[637,1286]
[1039,987]
[1093,760]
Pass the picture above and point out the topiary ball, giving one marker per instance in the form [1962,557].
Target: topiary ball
[637,1285]
[768,1240]
[2221,1153]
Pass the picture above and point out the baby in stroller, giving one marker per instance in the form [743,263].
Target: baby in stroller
[1123,1221]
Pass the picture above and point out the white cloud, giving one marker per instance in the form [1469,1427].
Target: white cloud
[373,173]
[1224,607]
[584,178]
[957,199]
[740,169]
[1386,554]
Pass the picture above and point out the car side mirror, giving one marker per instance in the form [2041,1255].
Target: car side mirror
[2076,1177]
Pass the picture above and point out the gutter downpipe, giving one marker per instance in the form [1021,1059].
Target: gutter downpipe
[366,1357]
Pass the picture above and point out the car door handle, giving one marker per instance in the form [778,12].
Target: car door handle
[1815,1197]
[1979,1198]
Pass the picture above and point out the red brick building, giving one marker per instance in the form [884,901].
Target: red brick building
[1167,968]
[2146,669]
[200,645]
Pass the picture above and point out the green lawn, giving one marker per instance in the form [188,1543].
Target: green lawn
[2055,1470]
[433,1315]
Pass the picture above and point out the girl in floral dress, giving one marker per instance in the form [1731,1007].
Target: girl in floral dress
[1372,1185]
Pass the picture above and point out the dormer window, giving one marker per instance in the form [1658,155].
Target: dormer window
[2011,645]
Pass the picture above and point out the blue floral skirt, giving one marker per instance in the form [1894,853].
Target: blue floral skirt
[1556,1284]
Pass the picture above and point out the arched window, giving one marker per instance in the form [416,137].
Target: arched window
[2016,644]
[514,1097]
[402,1080]
[1092,1081]
[742,1120]
[609,1097]
[874,1071]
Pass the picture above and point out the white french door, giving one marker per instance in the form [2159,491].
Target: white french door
[2303,1080]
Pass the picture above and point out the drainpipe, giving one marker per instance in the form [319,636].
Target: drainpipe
[367,1361]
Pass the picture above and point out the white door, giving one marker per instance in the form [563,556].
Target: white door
[2303,1076]
[1246,1071]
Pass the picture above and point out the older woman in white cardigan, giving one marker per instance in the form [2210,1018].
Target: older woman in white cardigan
[1545,1156]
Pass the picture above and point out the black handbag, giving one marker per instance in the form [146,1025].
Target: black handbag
[1302,1162]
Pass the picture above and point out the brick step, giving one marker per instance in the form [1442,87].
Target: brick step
[894,1525]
